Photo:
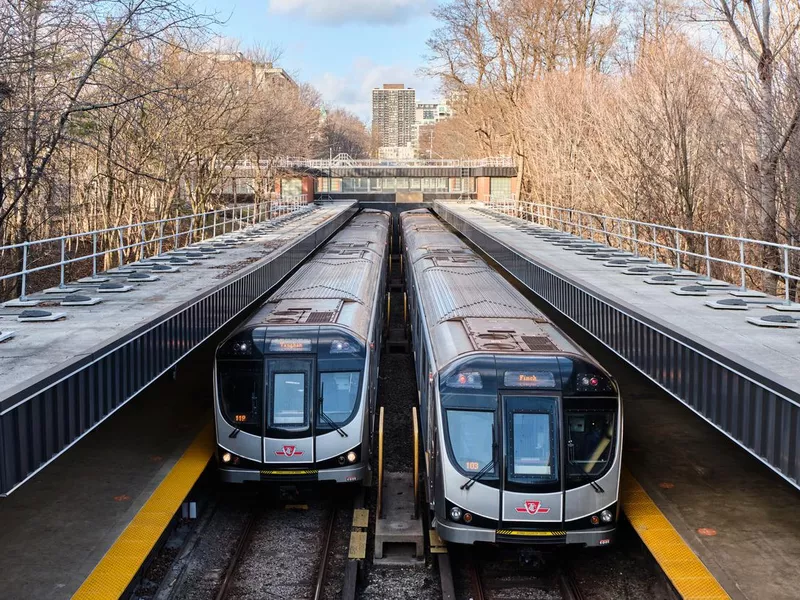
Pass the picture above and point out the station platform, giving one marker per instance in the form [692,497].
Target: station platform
[738,517]
[119,486]
[59,379]
[719,521]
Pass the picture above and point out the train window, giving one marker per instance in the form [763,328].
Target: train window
[590,437]
[289,408]
[239,389]
[470,437]
[340,394]
[532,444]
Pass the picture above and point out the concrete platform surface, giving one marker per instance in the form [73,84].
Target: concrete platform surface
[40,347]
[739,517]
[55,529]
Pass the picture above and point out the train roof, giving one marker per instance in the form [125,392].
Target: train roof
[468,305]
[338,284]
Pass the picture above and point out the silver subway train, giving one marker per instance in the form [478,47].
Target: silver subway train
[522,430]
[295,386]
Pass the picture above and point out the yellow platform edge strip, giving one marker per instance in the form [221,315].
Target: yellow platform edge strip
[688,574]
[115,571]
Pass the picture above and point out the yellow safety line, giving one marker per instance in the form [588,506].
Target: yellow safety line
[117,568]
[686,571]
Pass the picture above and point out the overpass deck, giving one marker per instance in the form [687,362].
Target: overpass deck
[740,377]
[59,379]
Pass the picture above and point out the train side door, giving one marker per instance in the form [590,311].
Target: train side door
[289,411]
[532,486]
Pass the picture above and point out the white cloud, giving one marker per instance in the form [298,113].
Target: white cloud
[353,89]
[334,12]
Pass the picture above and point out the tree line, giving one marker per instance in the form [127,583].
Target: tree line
[123,111]
[671,111]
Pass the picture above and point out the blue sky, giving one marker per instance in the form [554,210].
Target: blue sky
[343,48]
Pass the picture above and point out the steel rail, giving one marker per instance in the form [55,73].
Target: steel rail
[241,546]
[319,588]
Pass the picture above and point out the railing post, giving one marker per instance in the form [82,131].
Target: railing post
[655,245]
[176,232]
[160,236]
[787,298]
[741,265]
[678,251]
[63,266]
[708,257]
[22,295]
[120,251]
[214,232]
[94,254]
[636,240]
[141,246]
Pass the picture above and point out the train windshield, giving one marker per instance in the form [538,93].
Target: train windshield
[240,395]
[590,441]
[471,439]
[338,398]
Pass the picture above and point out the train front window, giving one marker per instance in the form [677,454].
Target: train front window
[289,407]
[590,437]
[240,397]
[471,439]
[531,447]
[339,395]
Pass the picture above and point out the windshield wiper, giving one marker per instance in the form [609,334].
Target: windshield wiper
[328,420]
[486,468]
[586,477]
[471,481]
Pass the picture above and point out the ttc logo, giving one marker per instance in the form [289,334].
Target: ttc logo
[533,507]
[289,452]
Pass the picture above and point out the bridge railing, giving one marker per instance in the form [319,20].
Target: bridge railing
[725,257]
[54,261]
[338,162]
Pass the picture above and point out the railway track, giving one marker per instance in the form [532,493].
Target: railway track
[490,579]
[278,555]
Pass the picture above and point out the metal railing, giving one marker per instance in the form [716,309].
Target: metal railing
[118,246]
[699,251]
[346,161]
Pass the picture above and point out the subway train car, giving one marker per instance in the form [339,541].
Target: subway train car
[522,430]
[295,386]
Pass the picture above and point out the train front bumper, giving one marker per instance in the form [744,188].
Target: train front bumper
[268,473]
[465,534]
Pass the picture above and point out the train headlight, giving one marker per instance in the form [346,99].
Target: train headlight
[226,458]
[351,457]
[455,514]
[606,516]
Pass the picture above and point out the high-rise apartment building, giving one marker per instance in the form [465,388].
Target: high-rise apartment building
[393,115]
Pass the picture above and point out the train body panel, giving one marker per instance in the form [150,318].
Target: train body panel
[295,386]
[522,430]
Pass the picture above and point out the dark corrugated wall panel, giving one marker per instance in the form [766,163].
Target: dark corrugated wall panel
[40,422]
[761,416]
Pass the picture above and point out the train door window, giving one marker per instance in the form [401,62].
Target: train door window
[289,406]
[532,440]
[339,398]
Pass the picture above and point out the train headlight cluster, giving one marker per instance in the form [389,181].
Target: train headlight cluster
[229,458]
[352,457]
[226,458]
[455,514]
[605,516]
